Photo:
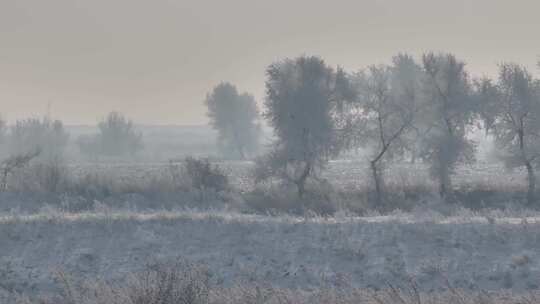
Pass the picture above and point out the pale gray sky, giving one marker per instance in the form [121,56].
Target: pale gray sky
[156,59]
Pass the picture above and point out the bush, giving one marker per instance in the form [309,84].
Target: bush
[201,175]
[319,199]
[160,283]
[166,283]
[51,175]
[28,172]
[13,164]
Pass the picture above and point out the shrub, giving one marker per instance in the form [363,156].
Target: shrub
[201,174]
[319,199]
[14,163]
[50,175]
[28,172]
[160,283]
[166,283]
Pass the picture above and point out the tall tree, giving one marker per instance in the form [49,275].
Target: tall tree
[516,121]
[447,112]
[236,118]
[302,97]
[388,98]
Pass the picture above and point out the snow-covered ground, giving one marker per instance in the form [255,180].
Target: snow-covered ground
[471,251]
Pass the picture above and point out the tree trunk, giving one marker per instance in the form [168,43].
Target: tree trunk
[242,155]
[377,181]
[531,181]
[239,146]
[413,158]
[531,178]
[445,183]
[4,180]
[301,181]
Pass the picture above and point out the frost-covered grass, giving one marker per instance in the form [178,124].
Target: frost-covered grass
[346,188]
[344,174]
[461,216]
[470,251]
[141,216]
[187,283]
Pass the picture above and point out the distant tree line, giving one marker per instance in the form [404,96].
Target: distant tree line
[32,135]
[116,137]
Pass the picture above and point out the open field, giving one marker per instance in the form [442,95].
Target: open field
[155,185]
[492,248]
[346,174]
[471,252]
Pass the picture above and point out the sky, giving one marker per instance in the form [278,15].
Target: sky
[155,60]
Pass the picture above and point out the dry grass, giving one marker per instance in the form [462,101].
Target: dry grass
[344,186]
[181,282]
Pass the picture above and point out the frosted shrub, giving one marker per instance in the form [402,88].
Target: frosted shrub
[201,175]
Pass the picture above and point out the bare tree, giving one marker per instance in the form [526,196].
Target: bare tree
[516,123]
[387,95]
[447,112]
[302,94]
[236,118]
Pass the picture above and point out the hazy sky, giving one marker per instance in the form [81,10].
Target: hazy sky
[156,59]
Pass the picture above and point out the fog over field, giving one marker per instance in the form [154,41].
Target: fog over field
[220,152]
[156,60]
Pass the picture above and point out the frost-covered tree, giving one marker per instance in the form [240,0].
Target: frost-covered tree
[116,137]
[406,78]
[236,118]
[302,97]
[388,99]
[516,121]
[46,135]
[447,112]
[485,94]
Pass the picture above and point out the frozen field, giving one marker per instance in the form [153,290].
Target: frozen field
[344,174]
[488,250]
[472,252]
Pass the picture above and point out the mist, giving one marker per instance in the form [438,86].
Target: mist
[269,152]
[155,61]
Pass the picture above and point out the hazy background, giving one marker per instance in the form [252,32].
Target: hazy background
[155,60]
